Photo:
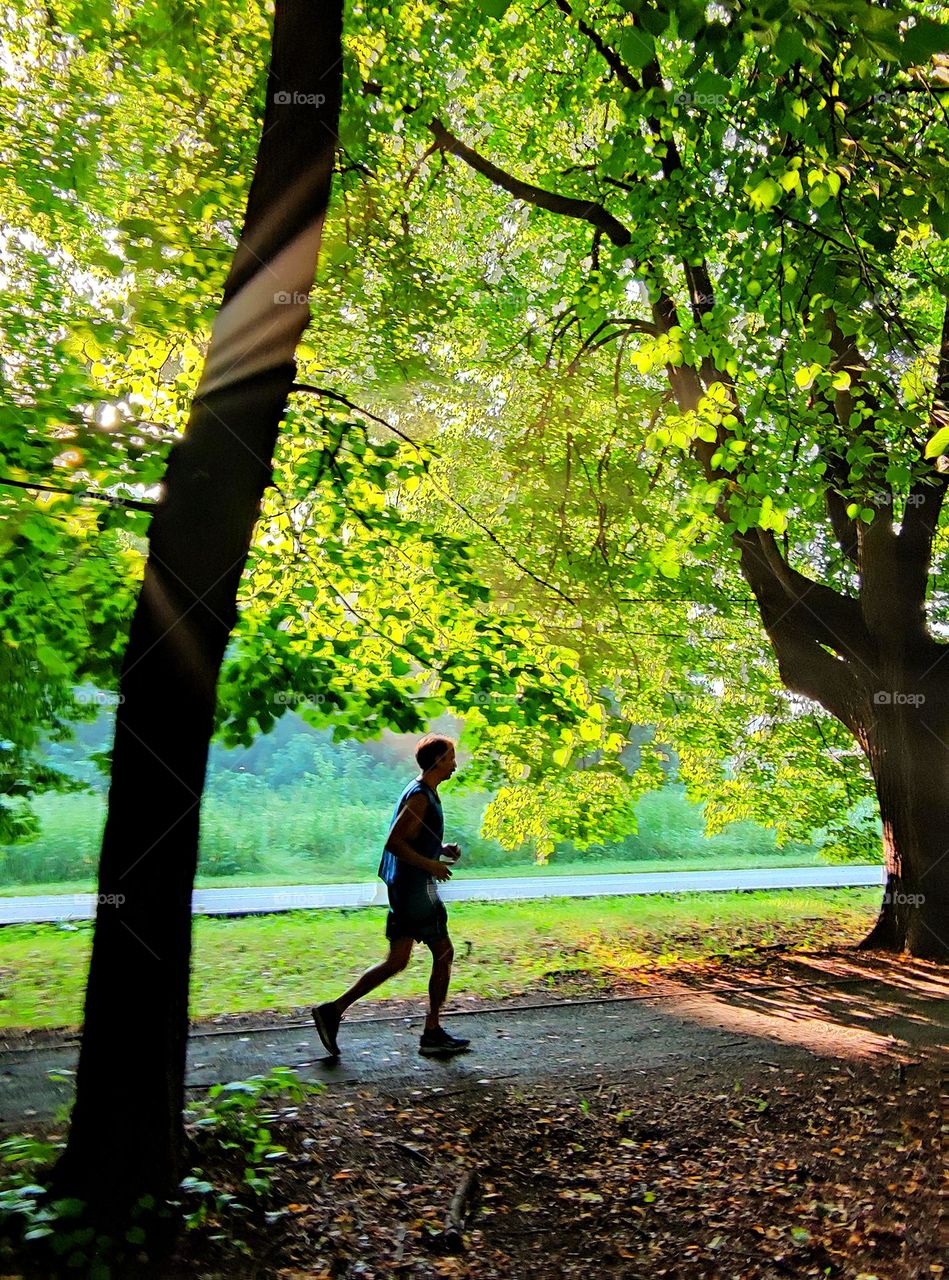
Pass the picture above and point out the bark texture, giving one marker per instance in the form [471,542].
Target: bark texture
[909,757]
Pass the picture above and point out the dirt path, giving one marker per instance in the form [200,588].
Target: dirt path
[784,1011]
[758,1122]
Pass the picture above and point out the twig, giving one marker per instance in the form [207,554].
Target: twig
[460,506]
[132,503]
[410,1151]
[400,1247]
[458,1211]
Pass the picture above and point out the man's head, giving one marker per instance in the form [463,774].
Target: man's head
[435,755]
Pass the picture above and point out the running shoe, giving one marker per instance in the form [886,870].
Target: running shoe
[439,1043]
[327,1025]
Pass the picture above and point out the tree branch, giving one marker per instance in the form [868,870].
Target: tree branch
[924,504]
[844,527]
[829,616]
[460,506]
[610,56]
[698,277]
[792,609]
[849,359]
[569,207]
[131,503]
[834,618]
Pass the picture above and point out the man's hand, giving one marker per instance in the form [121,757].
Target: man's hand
[440,870]
[453,851]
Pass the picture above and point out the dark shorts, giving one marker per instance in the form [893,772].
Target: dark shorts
[417,913]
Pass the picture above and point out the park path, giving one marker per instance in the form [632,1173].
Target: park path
[841,1006]
[260,901]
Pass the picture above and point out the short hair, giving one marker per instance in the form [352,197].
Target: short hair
[430,749]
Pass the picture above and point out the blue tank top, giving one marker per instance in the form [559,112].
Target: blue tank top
[428,842]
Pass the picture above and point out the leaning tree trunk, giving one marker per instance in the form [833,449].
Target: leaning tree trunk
[126,1136]
[908,750]
[872,663]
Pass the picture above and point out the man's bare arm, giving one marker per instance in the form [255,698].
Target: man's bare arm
[407,828]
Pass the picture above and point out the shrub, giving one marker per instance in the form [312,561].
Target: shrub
[67,846]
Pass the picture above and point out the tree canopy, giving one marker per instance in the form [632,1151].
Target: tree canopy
[605,287]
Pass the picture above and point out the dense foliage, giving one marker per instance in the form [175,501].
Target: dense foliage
[506,515]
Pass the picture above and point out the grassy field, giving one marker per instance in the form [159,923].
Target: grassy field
[254,834]
[288,961]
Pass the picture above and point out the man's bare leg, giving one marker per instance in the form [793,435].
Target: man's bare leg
[327,1016]
[400,951]
[442,955]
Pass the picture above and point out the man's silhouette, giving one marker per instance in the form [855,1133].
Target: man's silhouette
[411,864]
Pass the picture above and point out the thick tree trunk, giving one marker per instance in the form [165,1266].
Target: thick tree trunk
[126,1137]
[872,664]
[908,750]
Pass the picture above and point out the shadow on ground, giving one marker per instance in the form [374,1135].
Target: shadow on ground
[782,1009]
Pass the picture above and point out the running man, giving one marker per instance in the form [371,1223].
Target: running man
[411,864]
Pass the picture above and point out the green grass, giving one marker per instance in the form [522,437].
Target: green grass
[286,962]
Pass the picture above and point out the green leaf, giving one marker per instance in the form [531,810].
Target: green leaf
[636,47]
[70,1207]
[939,443]
[765,195]
[51,660]
[925,37]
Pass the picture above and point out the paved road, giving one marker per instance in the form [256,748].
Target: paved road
[257,901]
[852,1009]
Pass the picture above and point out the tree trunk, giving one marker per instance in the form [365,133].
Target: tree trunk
[872,664]
[126,1137]
[908,751]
